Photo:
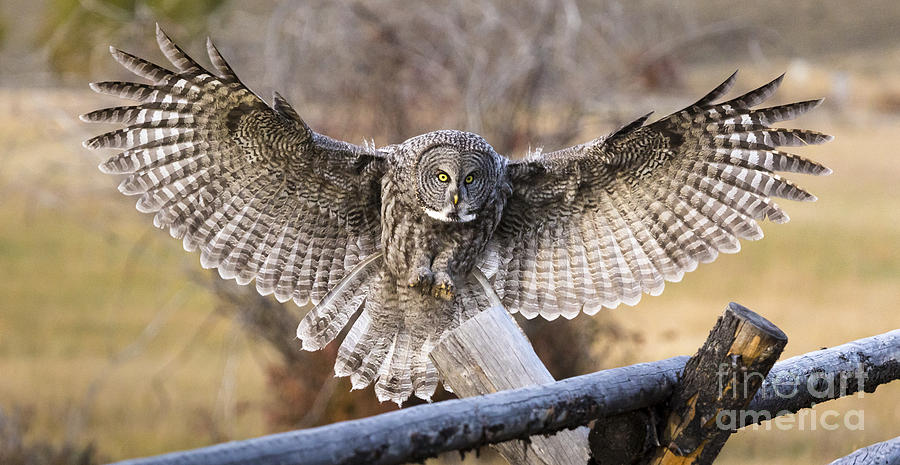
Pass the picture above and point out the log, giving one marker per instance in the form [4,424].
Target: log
[416,433]
[718,381]
[489,353]
[882,453]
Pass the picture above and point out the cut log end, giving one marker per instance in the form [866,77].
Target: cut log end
[759,323]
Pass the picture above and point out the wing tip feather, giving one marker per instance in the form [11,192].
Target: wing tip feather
[307,342]
[163,39]
[124,187]
[777,81]
[218,61]
[810,105]
[120,56]
[717,92]
[93,143]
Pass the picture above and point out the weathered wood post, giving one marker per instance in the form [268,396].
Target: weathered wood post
[490,353]
[716,387]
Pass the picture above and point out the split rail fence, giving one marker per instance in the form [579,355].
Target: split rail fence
[679,410]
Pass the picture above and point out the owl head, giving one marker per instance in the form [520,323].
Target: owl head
[457,173]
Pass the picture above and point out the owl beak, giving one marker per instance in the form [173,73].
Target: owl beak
[455,199]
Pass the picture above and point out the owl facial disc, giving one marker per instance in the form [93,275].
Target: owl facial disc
[456,175]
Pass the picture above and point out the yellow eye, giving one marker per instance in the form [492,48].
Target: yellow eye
[443,177]
[469,179]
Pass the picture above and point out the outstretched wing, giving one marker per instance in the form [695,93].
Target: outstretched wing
[596,225]
[249,185]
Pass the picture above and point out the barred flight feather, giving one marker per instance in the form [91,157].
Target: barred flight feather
[650,202]
[201,151]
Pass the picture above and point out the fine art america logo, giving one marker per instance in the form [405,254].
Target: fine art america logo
[812,388]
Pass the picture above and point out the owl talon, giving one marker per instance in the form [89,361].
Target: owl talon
[443,288]
[421,277]
[443,293]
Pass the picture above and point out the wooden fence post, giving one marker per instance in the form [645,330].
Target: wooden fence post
[716,386]
[490,353]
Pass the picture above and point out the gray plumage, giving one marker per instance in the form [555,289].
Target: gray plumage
[395,235]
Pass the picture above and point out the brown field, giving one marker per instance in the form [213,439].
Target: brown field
[108,334]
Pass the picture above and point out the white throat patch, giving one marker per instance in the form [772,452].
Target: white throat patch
[444,216]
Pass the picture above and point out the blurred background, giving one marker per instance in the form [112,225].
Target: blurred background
[114,343]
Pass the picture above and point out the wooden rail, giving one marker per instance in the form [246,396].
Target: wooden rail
[882,453]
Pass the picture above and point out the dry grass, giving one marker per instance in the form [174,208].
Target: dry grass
[85,275]
[84,279]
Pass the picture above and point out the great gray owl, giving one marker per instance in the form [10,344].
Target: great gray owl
[400,234]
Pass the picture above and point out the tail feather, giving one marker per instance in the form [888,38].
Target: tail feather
[390,341]
[394,377]
[424,373]
[372,362]
[349,357]
[360,340]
